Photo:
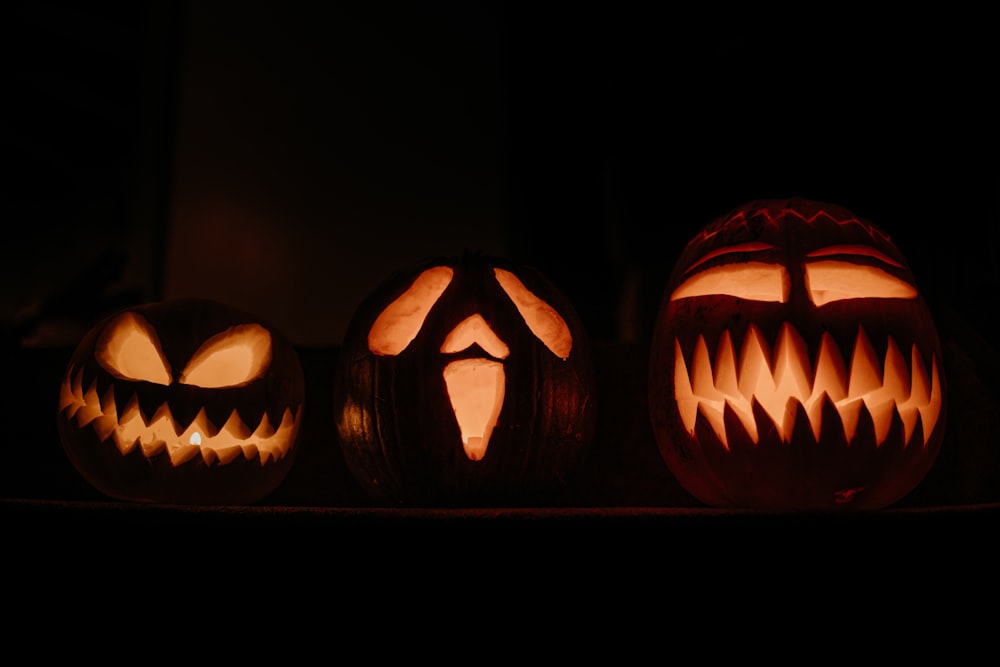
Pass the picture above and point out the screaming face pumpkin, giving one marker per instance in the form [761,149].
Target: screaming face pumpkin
[185,401]
[465,382]
[794,364]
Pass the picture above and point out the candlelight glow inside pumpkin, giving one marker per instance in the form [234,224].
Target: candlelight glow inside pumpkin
[475,385]
[793,329]
[463,335]
[121,391]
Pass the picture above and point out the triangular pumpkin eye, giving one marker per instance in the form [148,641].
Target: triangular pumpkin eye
[399,323]
[129,349]
[234,357]
[541,318]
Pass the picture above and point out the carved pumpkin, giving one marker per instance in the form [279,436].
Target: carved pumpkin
[184,401]
[465,382]
[794,363]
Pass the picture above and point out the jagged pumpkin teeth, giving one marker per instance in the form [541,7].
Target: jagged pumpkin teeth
[231,366]
[774,282]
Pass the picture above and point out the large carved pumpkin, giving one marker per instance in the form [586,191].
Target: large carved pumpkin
[186,401]
[465,382]
[794,363]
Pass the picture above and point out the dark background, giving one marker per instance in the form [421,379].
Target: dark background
[286,157]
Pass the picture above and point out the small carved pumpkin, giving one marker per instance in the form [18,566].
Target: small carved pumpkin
[465,382]
[794,364]
[185,401]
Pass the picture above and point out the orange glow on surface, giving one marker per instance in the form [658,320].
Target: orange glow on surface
[399,323]
[899,384]
[130,350]
[475,330]
[831,280]
[541,318]
[756,281]
[161,433]
[827,280]
[476,391]
[232,358]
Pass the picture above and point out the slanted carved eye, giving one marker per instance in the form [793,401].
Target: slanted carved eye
[398,324]
[541,318]
[232,358]
[831,280]
[130,350]
[755,281]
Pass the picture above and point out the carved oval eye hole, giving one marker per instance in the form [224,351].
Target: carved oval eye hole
[831,280]
[398,324]
[541,318]
[232,358]
[129,349]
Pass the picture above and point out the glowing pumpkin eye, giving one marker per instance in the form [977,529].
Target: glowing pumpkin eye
[130,350]
[399,323]
[541,318]
[234,357]
[832,280]
[756,281]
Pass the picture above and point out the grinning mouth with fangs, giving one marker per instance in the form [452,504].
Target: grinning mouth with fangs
[129,428]
[901,386]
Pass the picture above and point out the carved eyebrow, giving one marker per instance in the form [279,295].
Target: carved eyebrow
[753,246]
[847,249]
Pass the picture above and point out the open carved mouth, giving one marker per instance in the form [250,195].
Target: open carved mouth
[755,381]
[129,428]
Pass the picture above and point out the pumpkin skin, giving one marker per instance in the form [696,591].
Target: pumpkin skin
[142,419]
[786,386]
[398,412]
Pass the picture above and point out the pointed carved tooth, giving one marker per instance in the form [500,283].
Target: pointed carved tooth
[151,449]
[849,412]
[896,376]
[183,453]
[866,373]
[264,430]
[687,403]
[930,413]
[831,373]
[235,426]
[882,414]
[251,452]
[208,455]
[742,409]
[908,414]
[725,367]
[755,365]
[716,419]
[792,366]
[107,423]
[920,389]
[701,371]
[787,425]
[815,411]
[91,409]
[228,454]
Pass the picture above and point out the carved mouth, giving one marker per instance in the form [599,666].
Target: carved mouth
[775,381]
[129,428]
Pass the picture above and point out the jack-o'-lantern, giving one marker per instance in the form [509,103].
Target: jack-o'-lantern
[465,382]
[794,364]
[184,401]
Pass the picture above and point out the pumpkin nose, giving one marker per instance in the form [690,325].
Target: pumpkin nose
[475,384]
